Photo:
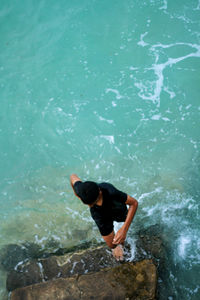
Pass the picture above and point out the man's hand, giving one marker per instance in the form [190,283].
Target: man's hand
[118,253]
[120,236]
[73,179]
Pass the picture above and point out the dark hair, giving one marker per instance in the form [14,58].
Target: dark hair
[88,192]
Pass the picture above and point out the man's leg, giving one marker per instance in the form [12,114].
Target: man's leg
[117,251]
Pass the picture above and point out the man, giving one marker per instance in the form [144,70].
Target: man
[107,204]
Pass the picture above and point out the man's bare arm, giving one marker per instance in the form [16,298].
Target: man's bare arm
[73,179]
[112,240]
[120,236]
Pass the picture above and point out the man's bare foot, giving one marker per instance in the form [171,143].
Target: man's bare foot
[118,253]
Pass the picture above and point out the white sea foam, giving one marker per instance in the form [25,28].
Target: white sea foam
[156,117]
[198,6]
[117,149]
[75,214]
[148,23]
[41,270]
[73,266]
[103,119]
[183,243]
[164,5]
[166,119]
[106,120]
[57,238]
[133,68]
[20,263]
[116,92]
[97,166]
[109,138]
[158,69]
[171,94]
[114,104]
[151,211]
[195,143]
[40,241]
[132,241]
[167,212]
[146,195]
[141,42]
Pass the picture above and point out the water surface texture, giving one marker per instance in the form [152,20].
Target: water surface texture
[108,90]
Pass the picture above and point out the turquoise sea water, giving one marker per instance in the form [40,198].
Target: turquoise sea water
[108,90]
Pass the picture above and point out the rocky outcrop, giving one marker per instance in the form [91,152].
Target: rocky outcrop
[81,262]
[149,244]
[127,281]
[74,274]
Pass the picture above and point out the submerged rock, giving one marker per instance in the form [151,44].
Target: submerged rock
[127,281]
[11,255]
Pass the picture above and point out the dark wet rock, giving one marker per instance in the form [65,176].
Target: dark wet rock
[85,261]
[50,268]
[150,244]
[12,254]
[80,262]
[30,273]
[126,281]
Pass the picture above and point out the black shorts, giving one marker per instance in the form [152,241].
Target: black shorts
[106,225]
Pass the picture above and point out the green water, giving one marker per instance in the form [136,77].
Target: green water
[108,90]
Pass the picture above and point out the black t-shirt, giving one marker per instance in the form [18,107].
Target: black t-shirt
[113,207]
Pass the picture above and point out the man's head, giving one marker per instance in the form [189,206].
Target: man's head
[88,192]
